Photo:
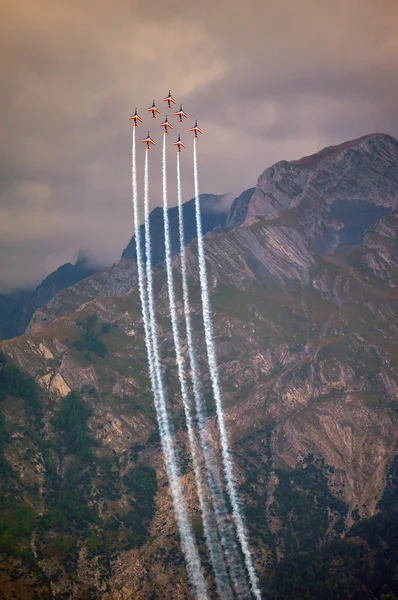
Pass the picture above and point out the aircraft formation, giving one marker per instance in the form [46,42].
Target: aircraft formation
[166,125]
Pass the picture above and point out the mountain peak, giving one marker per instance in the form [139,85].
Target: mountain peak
[350,170]
[332,151]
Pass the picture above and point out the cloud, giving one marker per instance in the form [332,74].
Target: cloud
[268,80]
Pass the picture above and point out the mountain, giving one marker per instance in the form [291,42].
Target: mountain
[10,304]
[215,211]
[363,170]
[122,276]
[16,309]
[238,211]
[304,306]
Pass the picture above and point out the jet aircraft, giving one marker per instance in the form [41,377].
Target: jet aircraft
[153,110]
[180,113]
[148,140]
[166,124]
[195,129]
[170,100]
[135,118]
[179,144]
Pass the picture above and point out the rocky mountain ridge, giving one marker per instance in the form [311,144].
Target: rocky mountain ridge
[305,330]
[122,276]
[215,210]
[361,170]
[18,308]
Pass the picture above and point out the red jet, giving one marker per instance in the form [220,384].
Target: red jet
[135,118]
[166,124]
[195,129]
[148,140]
[180,113]
[154,110]
[179,144]
[170,100]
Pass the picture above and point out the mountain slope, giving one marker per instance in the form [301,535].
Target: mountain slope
[306,343]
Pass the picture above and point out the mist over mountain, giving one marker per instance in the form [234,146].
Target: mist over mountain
[17,308]
[303,275]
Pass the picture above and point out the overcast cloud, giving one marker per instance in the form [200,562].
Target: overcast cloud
[267,79]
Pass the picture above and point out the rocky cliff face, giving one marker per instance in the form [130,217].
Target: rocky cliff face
[239,208]
[306,335]
[341,191]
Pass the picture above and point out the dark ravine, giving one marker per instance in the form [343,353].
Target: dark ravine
[306,342]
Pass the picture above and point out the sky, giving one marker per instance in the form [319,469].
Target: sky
[267,80]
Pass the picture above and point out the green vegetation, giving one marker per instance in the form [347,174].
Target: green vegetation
[389,499]
[122,526]
[141,482]
[67,501]
[105,327]
[17,518]
[5,469]
[252,451]
[3,431]
[14,382]
[89,340]
[72,421]
[305,504]
[364,566]
[16,526]
[67,504]
[68,497]
[308,513]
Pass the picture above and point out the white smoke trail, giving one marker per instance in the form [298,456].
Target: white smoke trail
[211,355]
[188,543]
[211,538]
[140,268]
[213,475]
